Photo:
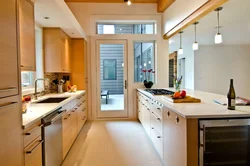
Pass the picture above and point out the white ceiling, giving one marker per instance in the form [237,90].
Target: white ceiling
[235,22]
[60,16]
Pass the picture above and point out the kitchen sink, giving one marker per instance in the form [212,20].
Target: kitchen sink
[52,100]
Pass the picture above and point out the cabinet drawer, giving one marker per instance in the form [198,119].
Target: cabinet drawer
[33,153]
[157,124]
[158,110]
[32,133]
[73,103]
[157,141]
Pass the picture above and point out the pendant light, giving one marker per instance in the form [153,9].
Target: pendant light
[218,36]
[128,2]
[195,45]
[180,51]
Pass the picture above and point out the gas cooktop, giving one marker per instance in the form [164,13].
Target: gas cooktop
[159,91]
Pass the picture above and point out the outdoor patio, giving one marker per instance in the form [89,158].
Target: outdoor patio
[115,102]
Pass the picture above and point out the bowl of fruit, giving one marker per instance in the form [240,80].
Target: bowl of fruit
[72,88]
[179,94]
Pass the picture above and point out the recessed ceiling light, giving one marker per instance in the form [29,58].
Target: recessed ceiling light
[128,2]
[46,18]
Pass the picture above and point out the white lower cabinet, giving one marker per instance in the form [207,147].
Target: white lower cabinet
[150,115]
[73,121]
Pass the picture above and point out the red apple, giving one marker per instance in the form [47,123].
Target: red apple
[183,93]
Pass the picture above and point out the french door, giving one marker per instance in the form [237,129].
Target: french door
[111,78]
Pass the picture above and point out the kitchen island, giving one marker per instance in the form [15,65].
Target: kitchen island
[181,131]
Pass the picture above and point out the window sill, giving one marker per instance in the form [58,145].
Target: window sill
[28,91]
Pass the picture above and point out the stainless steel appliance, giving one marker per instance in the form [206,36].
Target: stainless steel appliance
[52,136]
[224,142]
[159,91]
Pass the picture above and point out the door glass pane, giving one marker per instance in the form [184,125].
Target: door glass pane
[112,77]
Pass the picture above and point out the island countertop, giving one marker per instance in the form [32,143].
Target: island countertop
[36,112]
[206,109]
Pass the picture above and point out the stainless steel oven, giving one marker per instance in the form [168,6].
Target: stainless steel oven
[224,142]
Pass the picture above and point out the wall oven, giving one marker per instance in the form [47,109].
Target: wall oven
[224,142]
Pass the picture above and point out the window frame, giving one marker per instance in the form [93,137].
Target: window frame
[115,67]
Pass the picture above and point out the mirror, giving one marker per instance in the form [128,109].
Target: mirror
[211,67]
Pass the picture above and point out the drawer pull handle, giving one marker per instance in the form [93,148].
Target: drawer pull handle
[67,117]
[158,136]
[152,128]
[177,120]
[156,116]
[30,151]
[30,132]
[168,114]
[8,89]
[7,105]
[84,109]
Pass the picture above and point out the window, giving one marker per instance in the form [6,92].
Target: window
[144,58]
[28,79]
[103,28]
[109,69]
[108,29]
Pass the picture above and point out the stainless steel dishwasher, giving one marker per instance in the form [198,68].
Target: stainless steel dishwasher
[52,136]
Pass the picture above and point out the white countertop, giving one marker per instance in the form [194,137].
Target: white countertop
[206,109]
[36,112]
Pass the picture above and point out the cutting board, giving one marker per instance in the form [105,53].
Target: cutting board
[187,99]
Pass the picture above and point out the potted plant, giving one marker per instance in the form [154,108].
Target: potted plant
[147,82]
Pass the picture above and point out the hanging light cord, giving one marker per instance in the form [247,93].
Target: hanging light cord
[195,32]
[218,18]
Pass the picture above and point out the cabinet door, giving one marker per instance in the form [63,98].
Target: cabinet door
[174,134]
[74,125]
[67,133]
[66,53]
[52,49]
[27,35]
[9,70]
[11,139]
[33,153]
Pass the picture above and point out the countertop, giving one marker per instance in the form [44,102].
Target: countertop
[36,112]
[206,109]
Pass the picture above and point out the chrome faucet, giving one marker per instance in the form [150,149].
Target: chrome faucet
[38,79]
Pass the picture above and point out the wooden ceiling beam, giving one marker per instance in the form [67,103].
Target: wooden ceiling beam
[163,5]
[208,7]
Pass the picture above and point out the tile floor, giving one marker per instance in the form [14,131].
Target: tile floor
[112,143]
[115,102]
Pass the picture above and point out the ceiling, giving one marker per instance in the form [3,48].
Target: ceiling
[235,28]
[59,16]
[113,1]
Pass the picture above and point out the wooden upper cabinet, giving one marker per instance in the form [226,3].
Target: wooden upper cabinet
[27,35]
[9,70]
[57,49]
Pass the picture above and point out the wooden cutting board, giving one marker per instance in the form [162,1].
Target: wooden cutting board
[187,99]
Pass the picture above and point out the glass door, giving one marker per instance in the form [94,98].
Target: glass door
[112,78]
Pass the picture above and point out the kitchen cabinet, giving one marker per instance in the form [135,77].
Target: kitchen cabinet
[180,140]
[57,50]
[11,140]
[9,70]
[79,63]
[27,35]
[33,145]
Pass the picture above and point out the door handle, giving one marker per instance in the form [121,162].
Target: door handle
[125,84]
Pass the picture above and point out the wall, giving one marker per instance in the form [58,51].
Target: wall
[178,11]
[112,52]
[216,65]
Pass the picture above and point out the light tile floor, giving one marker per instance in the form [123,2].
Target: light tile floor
[112,143]
[115,102]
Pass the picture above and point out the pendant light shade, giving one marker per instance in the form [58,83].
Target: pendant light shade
[180,51]
[195,45]
[218,36]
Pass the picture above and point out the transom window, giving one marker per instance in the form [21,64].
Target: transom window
[103,28]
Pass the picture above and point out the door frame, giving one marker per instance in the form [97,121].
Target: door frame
[112,113]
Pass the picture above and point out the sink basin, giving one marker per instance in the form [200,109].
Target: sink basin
[52,100]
